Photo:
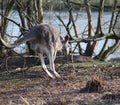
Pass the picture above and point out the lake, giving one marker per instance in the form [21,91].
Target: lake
[81,22]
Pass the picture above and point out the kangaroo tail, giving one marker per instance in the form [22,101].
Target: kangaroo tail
[24,39]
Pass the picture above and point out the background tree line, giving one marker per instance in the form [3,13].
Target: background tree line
[31,13]
[55,4]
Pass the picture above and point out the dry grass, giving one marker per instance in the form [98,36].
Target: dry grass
[99,80]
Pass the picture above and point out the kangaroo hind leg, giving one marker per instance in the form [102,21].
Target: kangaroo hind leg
[51,57]
[44,66]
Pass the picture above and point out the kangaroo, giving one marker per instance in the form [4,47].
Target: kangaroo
[43,39]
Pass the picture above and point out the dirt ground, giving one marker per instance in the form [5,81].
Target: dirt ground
[24,85]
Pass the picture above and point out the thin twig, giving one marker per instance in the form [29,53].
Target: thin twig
[26,102]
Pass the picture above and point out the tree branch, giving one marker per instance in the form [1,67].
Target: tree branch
[13,22]
[97,37]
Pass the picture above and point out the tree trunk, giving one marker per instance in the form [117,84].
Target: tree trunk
[91,46]
[99,28]
[38,16]
[4,21]
[30,21]
[39,11]
[88,51]
[1,48]
[71,19]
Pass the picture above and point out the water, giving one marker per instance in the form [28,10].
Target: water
[81,22]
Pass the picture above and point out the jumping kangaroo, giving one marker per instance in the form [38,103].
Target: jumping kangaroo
[43,39]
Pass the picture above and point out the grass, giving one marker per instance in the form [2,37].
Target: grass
[34,87]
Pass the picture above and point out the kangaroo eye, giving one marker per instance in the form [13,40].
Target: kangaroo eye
[68,46]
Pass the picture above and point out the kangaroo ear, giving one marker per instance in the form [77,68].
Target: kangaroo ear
[62,38]
[66,38]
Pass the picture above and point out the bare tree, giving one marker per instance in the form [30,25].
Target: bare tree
[105,53]
[4,20]
[29,11]
[94,38]
[89,48]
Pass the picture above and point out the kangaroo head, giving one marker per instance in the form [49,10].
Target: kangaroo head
[65,44]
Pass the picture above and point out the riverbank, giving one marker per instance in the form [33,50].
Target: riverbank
[31,85]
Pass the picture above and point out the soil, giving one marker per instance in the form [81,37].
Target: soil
[24,82]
